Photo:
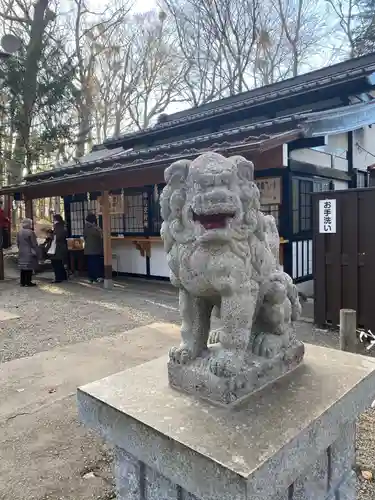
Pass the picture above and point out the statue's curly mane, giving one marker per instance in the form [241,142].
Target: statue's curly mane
[178,229]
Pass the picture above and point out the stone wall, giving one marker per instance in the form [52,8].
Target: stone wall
[331,477]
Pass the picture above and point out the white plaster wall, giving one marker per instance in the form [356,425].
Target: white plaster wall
[337,144]
[364,137]
[333,155]
[311,156]
[340,185]
[128,258]
[158,260]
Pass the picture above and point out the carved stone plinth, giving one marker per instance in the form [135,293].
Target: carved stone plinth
[292,441]
[196,378]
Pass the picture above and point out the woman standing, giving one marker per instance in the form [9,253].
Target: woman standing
[58,252]
[93,248]
[27,252]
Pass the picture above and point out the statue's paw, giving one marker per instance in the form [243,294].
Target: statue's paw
[269,345]
[181,355]
[214,337]
[226,365]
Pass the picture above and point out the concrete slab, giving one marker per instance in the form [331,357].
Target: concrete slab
[6,315]
[216,454]
[44,452]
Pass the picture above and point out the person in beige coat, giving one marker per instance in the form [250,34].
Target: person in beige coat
[27,252]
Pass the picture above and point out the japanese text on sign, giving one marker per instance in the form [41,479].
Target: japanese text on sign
[327,216]
[116,204]
[270,190]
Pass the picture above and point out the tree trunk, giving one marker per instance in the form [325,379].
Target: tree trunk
[33,53]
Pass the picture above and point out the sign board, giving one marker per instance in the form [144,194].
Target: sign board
[116,204]
[327,216]
[270,190]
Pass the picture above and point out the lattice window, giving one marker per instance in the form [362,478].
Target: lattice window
[305,205]
[136,212]
[362,179]
[302,201]
[156,221]
[77,217]
[320,186]
[117,223]
[90,207]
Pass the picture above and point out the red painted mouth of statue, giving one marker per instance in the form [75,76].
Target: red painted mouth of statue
[213,221]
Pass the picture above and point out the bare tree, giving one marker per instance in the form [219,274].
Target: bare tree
[159,69]
[137,75]
[303,25]
[90,32]
[201,81]
[226,35]
[345,15]
[272,53]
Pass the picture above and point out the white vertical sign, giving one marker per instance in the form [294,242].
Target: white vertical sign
[327,216]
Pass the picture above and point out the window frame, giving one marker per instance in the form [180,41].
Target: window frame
[301,202]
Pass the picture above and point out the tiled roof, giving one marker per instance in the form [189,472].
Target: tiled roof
[132,160]
[93,156]
[257,131]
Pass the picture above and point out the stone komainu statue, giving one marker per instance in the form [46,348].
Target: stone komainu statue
[223,254]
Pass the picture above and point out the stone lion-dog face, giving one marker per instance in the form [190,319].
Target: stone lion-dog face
[212,198]
[215,196]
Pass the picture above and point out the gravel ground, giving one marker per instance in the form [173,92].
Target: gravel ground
[56,315]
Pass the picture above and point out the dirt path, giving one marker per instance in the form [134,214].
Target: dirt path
[59,337]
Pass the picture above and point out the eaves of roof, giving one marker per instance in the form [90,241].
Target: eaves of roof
[127,163]
[256,131]
[94,156]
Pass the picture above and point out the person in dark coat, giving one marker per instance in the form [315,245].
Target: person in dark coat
[93,237]
[27,252]
[58,252]
[46,245]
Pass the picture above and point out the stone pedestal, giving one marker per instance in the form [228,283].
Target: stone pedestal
[293,440]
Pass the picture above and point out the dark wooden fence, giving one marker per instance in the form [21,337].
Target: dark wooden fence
[344,262]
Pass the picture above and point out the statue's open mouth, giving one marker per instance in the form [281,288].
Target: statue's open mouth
[213,221]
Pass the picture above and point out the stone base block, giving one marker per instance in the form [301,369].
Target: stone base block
[136,481]
[197,379]
[293,440]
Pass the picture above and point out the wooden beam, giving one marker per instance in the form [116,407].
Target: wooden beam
[7,213]
[107,244]
[308,142]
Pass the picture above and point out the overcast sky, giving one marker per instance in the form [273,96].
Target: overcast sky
[144,5]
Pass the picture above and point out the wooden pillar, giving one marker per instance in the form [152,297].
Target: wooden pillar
[2,274]
[29,212]
[107,244]
[348,330]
